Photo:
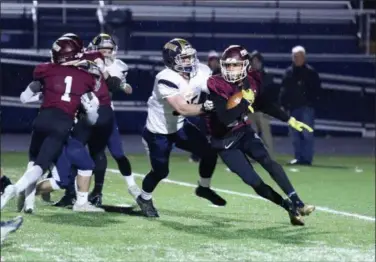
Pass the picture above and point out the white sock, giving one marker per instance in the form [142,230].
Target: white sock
[30,165]
[82,197]
[31,176]
[130,180]
[146,195]
[30,196]
[204,182]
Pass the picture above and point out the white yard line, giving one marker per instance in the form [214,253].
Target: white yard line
[323,209]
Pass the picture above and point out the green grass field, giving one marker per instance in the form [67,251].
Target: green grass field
[189,229]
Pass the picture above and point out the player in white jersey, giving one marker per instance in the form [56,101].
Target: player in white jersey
[175,95]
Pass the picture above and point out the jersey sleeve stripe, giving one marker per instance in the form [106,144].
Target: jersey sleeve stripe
[167,83]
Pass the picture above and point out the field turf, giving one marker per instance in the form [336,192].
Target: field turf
[189,229]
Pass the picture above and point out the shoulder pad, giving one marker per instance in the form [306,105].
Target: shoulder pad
[121,65]
[204,69]
[170,76]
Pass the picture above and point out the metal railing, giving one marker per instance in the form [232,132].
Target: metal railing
[200,13]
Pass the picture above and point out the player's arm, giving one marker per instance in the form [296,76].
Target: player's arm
[228,116]
[170,92]
[264,104]
[120,70]
[90,103]
[32,93]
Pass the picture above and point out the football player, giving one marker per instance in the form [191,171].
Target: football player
[63,84]
[102,51]
[176,91]
[235,140]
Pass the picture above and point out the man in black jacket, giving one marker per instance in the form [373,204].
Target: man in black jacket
[260,121]
[299,93]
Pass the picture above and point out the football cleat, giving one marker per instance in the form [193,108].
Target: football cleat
[295,217]
[9,193]
[95,199]
[306,210]
[65,201]
[4,182]
[10,226]
[87,207]
[147,207]
[134,191]
[46,197]
[211,195]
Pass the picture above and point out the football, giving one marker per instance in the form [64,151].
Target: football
[234,100]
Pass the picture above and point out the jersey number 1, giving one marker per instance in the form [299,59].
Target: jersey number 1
[68,88]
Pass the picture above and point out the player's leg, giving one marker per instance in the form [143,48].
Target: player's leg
[191,139]
[56,126]
[254,148]
[239,164]
[100,134]
[116,149]
[158,148]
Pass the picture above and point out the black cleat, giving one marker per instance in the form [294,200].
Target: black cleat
[295,218]
[147,207]
[4,182]
[211,195]
[65,201]
[95,199]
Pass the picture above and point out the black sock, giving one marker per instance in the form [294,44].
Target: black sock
[124,166]
[267,192]
[151,181]
[296,200]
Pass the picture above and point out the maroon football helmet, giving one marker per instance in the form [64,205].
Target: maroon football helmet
[234,63]
[65,50]
[76,38]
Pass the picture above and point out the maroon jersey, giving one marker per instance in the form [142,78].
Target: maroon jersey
[63,86]
[218,85]
[103,92]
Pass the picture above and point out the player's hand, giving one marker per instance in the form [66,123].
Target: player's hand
[250,108]
[89,101]
[249,95]
[128,89]
[208,106]
[299,126]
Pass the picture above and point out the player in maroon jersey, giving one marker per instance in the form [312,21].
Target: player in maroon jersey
[63,82]
[235,140]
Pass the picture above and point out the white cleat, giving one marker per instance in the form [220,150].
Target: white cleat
[21,201]
[87,207]
[9,193]
[10,226]
[134,191]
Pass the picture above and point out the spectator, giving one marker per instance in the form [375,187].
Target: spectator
[299,93]
[260,121]
[213,62]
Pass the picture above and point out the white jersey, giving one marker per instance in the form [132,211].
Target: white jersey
[161,119]
[119,69]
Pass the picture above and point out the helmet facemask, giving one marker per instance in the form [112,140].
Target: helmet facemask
[186,62]
[108,49]
[234,70]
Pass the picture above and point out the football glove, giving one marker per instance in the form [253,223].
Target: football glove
[207,106]
[249,95]
[299,126]
[250,108]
